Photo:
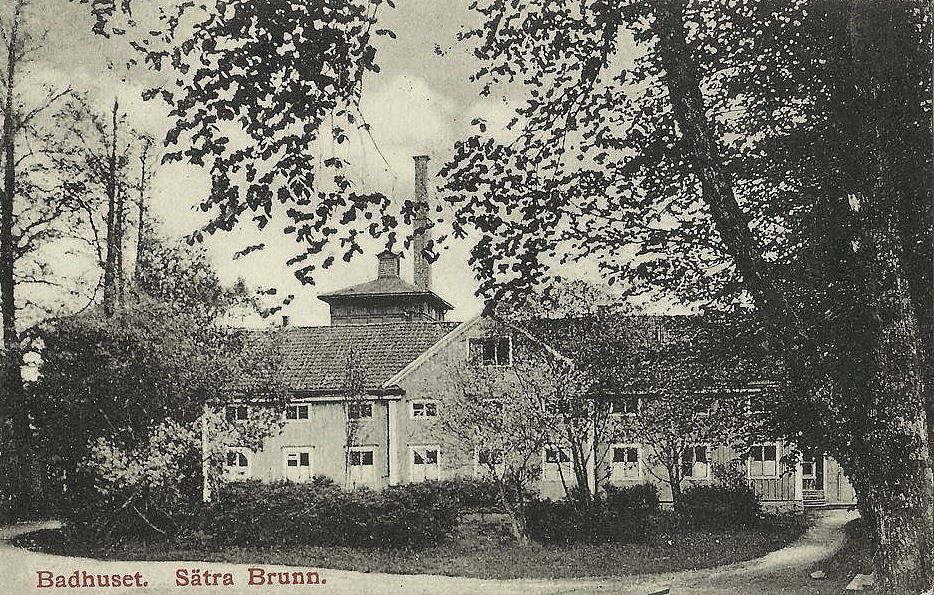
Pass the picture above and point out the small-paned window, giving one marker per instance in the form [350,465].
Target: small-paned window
[492,351]
[237,464]
[626,462]
[297,463]
[296,412]
[236,412]
[763,460]
[360,410]
[625,404]
[694,462]
[362,467]
[425,463]
[422,409]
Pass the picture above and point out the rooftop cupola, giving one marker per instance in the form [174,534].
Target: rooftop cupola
[388,264]
[388,298]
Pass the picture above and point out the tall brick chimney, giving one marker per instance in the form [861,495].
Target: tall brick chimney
[421,232]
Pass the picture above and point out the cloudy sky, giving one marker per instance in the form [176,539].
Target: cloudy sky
[419,103]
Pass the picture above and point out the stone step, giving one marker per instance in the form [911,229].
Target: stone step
[814,498]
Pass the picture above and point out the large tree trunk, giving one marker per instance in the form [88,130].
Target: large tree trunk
[897,457]
[891,455]
[892,466]
[13,393]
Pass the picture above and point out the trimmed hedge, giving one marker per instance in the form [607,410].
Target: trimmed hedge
[718,506]
[321,513]
[622,516]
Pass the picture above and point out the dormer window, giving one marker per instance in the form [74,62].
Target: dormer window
[490,351]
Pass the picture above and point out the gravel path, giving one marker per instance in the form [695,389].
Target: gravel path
[780,572]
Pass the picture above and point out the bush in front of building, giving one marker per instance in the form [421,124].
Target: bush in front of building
[719,506]
[475,494]
[640,498]
[621,515]
[320,512]
[470,494]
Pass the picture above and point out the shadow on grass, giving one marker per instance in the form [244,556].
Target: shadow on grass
[854,557]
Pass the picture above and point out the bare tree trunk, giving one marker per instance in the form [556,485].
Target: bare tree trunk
[120,225]
[515,511]
[579,462]
[141,206]
[674,482]
[110,188]
[14,391]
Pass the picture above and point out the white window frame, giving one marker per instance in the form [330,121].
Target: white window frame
[357,405]
[615,474]
[812,463]
[417,470]
[423,403]
[482,469]
[707,448]
[298,410]
[553,470]
[287,452]
[247,472]
[749,461]
[237,411]
[620,398]
[495,338]
[361,473]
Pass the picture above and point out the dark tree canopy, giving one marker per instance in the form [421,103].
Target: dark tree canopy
[598,167]
[772,158]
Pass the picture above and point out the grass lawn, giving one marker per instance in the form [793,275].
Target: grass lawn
[481,549]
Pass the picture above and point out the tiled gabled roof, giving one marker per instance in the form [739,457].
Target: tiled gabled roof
[317,358]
